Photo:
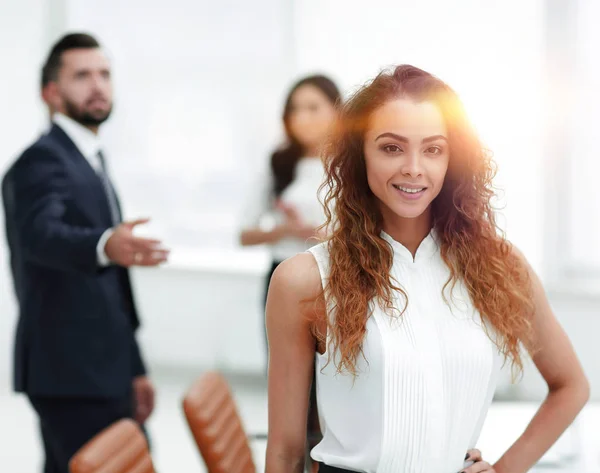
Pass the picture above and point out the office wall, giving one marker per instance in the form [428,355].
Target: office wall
[199,91]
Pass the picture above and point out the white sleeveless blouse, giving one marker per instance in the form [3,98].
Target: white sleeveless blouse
[424,385]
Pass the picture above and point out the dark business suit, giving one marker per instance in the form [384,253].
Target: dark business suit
[75,350]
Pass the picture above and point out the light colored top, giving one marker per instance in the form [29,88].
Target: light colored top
[301,193]
[89,145]
[420,399]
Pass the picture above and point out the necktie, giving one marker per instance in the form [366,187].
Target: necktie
[109,190]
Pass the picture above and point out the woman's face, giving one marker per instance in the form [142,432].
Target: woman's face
[310,117]
[406,155]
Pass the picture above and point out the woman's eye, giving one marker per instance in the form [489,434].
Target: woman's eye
[392,149]
[434,150]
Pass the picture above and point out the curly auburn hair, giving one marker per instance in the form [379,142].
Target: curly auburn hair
[471,244]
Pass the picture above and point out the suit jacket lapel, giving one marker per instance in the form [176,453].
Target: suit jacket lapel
[95,202]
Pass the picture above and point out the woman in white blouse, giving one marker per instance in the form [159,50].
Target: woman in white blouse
[287,196]
[412,304]
[284,210]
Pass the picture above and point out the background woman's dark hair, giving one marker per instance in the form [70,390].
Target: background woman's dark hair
[284,160]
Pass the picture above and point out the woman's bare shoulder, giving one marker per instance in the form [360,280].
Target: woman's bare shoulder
[297,278]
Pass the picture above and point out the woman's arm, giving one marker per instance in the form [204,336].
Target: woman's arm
[567,384]
[257,236]
[293,226]
[294,285]
[258,203]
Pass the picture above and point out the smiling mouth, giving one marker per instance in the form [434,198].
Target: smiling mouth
[408,190]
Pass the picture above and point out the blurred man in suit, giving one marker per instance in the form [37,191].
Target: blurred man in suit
[76,354]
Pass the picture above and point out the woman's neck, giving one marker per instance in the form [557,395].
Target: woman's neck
[409,232]
[311,152]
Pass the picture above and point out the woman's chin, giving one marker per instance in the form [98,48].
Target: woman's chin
[408,211]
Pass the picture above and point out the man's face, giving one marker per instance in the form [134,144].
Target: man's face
[83,90]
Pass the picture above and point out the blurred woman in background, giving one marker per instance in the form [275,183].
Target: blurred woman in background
[289,191]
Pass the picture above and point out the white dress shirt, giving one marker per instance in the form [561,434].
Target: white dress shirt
[89,145]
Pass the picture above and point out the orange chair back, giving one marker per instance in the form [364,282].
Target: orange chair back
[120,448]
[216,426]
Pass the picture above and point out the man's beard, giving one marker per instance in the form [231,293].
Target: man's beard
[85,117]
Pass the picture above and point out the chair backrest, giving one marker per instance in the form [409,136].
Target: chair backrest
[217,428]
[120,448]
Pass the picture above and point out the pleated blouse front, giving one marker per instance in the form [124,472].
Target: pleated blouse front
[425,382]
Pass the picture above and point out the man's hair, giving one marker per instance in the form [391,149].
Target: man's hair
[66,43]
